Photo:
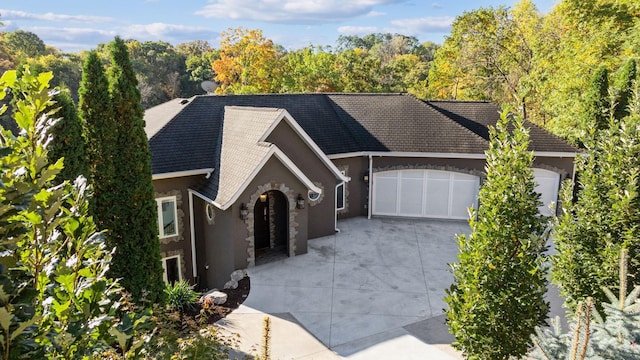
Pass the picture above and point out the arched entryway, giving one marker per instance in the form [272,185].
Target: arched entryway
[271,227]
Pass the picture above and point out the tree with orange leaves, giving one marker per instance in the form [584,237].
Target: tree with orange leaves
[249,63]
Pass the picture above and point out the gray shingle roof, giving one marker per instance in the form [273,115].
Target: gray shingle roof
[241,150]
[478,115]
[189,136]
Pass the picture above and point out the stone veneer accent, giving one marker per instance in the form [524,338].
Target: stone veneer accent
[180,254]
[179,216]
[293,225]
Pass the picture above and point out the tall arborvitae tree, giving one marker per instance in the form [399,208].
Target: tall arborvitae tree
[68,142]
[624,86]
[497,298]
[95,112]
[597,105]
[605,215]
[135,229]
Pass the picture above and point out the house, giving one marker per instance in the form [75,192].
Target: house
[242,177]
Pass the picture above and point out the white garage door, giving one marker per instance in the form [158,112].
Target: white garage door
[547,183]
[424,193]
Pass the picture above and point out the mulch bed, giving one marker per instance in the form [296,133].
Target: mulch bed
[213,313]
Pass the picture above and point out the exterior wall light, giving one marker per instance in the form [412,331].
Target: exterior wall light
[263,198]
[244,212]
[300,202]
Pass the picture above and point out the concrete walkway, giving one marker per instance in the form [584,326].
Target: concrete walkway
[374,289]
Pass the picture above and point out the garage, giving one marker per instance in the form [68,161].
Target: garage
[547,184]
[424,193]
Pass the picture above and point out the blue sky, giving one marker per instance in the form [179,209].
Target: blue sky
[78,25]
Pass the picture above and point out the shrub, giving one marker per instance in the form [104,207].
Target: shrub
[181,296]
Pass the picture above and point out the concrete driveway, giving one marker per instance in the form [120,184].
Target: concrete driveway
[375,287]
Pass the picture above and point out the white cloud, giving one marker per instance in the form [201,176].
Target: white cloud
[357,30]
[291,11]
[436,5]
[23,15]
[75,39]
[429,24]
[376,14]
[168,32]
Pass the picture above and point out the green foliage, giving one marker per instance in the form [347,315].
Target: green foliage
[99,129]
[605,215]
[56,301]
[597,105]
[178,337]
[624,85]
[591,337]
[496,299]
[134,228]
[180,296]
[25,44]
[68,142]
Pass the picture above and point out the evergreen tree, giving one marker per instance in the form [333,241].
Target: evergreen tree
[68,142]
[624,86]
[497,298]
[597,104]
[604,217]
[591,337]
[95,112]
[134,231]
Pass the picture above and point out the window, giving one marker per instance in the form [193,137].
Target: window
[210,213]
[313,196]
[171,267]
[340,196]
[167,217]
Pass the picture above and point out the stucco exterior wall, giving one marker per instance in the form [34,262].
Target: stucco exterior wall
[287,140]
[180,244]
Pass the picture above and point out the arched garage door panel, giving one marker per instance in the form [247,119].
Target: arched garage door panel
[424,193]
[547,184]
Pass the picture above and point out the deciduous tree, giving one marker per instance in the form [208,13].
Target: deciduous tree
[248,64]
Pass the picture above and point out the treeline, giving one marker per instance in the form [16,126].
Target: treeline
[246,62]
[539,64]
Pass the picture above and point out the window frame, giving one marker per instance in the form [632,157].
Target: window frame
[159,201]
[344,200]
[165,274]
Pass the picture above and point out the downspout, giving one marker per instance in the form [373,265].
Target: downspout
[335,206]
[370,186]
[193,237]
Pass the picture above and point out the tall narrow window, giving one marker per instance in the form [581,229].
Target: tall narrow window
[340,196]
[171,267]
[167,217]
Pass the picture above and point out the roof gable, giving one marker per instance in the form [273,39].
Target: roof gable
[244,153]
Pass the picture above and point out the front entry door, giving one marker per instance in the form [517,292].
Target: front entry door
[261,223]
